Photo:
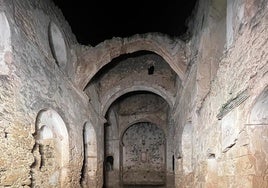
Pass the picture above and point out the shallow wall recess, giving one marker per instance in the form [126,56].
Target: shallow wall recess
[57,44]
[5,44]
[143,155]
[51,150]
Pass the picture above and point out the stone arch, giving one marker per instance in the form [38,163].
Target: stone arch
[148,166]
[89,170]
[172,51]
[5,44]
[52,154]
[156,121]
[118,91]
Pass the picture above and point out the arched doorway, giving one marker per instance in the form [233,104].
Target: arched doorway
[89,170]
[51,150]
[143,155]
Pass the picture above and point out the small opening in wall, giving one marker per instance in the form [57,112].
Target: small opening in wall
[173,163]
[151,70]
[109,163]
[106,124]
[202,23]
[211,156]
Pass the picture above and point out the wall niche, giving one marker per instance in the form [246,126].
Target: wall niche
[57,44]
[143,155]
[51,151]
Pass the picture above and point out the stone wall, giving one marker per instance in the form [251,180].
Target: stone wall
[130,73]
[52,132]
[224,135]
[36,62]
[126,111]
[143,155]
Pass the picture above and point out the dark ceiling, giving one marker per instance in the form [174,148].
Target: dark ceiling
[93,21]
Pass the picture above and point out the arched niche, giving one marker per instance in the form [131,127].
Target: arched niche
[109,163]
[5,44]
[89,170]
[143,155]
[57,44]
[51,150]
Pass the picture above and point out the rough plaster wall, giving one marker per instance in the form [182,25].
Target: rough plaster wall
[92,92]
[207,44]
[141,104]
[223,145]
[133,71]
[35,82]
[183,116]
[170,158]
[48,174]
[143,155]
[5,47]
[136,69]
[142,107]
[227,152]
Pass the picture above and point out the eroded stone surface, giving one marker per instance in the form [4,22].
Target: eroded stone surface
[181,87]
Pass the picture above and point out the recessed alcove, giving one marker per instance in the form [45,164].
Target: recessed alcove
[57,44]
[51,150]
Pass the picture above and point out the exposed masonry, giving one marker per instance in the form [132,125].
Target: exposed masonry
[146,109]
[232,103]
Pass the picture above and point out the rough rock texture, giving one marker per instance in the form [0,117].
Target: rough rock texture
[143,159]
[92,59]
[65,108]
[135,72]
[223,154]
[31,81]
[144,110]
